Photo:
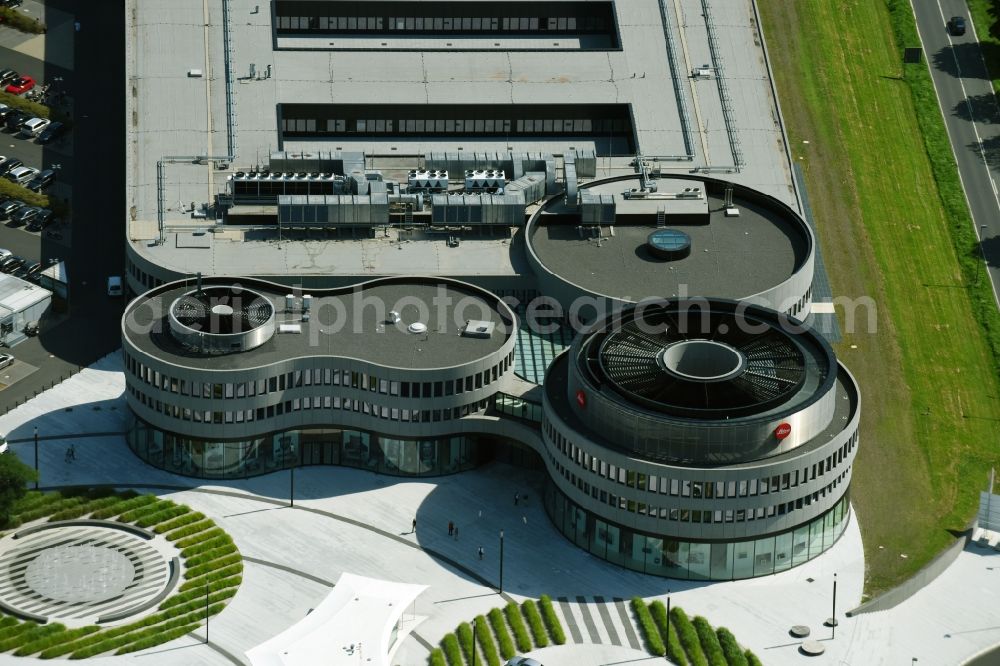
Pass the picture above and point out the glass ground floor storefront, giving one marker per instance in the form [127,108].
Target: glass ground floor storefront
[313,446]
[693,560]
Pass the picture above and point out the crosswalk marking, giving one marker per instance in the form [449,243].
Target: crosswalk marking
[606,622]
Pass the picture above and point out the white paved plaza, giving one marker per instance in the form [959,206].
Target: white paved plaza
[358,522]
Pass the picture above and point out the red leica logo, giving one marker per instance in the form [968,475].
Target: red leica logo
[581,399]
[782,431]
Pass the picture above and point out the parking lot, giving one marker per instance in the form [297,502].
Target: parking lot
[89,229]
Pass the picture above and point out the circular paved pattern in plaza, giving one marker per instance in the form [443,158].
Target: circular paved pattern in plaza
[80,572]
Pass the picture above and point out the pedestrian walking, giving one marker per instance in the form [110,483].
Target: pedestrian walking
[66,458]
[414,527]
[480,552]
[516,498]
[451,528]
[72,452]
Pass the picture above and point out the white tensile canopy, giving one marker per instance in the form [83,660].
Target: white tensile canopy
[361,618]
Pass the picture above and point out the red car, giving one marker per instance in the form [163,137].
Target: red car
[21,85]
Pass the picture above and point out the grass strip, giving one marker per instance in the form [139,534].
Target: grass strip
[730,648]
[437,658]
[21,21]
[466,640]
[672,642]
[485,640]
[516,622]
[534,618]
[180,521]
[709,642]
[650,634]
[689,637]
[752,659]
[504,641]
[452,651]
[551,620]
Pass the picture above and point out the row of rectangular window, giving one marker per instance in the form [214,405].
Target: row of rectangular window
[696,489]
[300,404]
[318,377]
[439,24]
[696,515]
[142,277]
[456,126]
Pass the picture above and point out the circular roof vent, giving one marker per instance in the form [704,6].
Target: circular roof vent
[222,319]
[716,364]
[417,327]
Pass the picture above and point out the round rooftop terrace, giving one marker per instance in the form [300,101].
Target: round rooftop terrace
[412,323]
[764,252]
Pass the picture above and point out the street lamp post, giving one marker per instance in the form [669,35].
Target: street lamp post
[501,561]
[668,619]
[474,625]
[291,486]
[982,253]
[36,457]
[833,618]
[206,614]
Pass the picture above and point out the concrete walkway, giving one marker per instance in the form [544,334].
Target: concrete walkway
[349,520]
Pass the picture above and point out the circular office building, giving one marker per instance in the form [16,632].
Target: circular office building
[680,236]
[230,379]
[700,439]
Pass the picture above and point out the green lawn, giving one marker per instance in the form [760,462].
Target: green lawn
[928,376]
[986,16]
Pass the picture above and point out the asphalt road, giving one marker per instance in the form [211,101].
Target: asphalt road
[97,86]
[972,116]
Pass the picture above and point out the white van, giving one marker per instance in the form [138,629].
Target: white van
[115,285]
[34,127]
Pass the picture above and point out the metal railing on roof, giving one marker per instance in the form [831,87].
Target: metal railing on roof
[720,77]
[682,111]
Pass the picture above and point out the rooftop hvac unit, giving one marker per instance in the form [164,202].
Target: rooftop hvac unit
[428,180]
[476,328]
[481,179]
[289,302]
[306,301]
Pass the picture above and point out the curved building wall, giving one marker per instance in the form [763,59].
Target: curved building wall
[793,296]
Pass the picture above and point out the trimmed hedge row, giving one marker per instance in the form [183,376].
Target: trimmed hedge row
[208,567]
[179,521]
[465,640]
[531,614]
[163,637]
[167,514]
[504,640]
[138,513]
[206,545]
[127,505]
[199,537]
[485,640]
[225,572]
[195,592]
[709,642]
[49,641]
[675,652]
[188,530]
[437,657]
[210,555]
[452,652]
[689,636]
[551,620]
[650,634]
[752,659]
[84,509]
[516,622]
[730,648]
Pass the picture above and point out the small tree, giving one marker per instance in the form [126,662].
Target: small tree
[14,479]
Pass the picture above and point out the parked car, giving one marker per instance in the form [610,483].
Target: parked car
[42,180]
[10,207]
[53,131]
[15,119]
[115,285]
[4,253]
[24,216]
[32,269]
[956,25]
[12,3]
[21,85]
[5,360]
[7,75]
[22,175]
[9,164]
[12,264]
[32,128]
[44,219]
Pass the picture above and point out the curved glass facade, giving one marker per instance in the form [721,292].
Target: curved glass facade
[694,560]
[211,459]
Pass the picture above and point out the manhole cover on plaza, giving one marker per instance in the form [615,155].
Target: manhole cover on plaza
[80,573]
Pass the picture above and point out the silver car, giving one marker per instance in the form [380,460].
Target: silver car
[5,360]
[522,661]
